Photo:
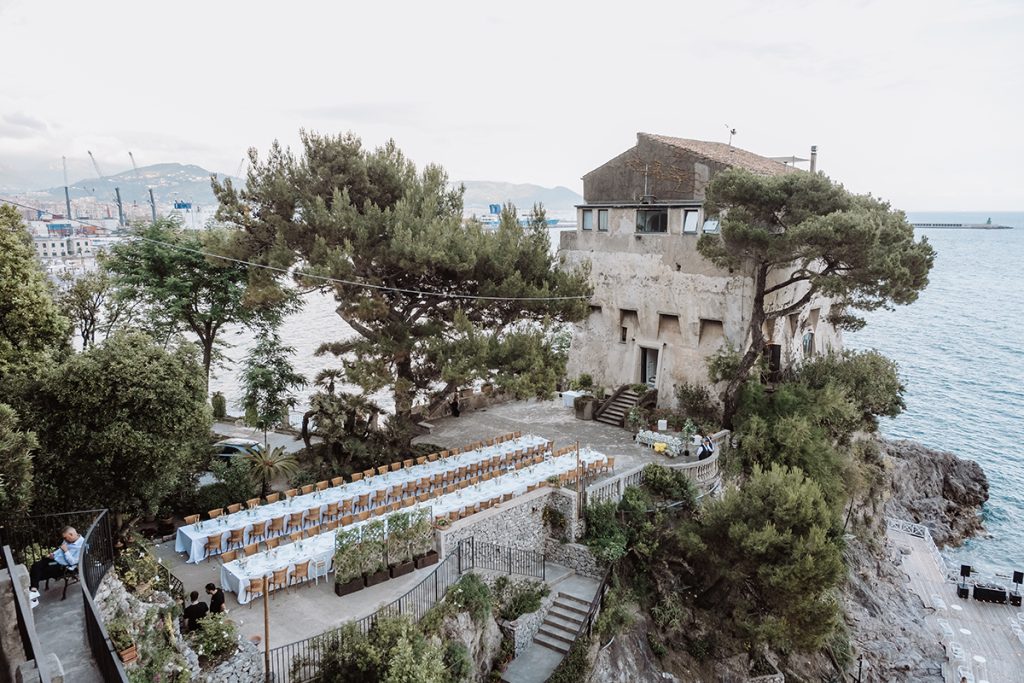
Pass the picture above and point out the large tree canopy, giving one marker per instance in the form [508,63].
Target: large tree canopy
[32,329]
[183,290]
[802,236]
[768,555]
[435,303]
[16,448]
[119,426]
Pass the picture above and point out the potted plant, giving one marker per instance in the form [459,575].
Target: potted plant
[422,533]
[399,544]
[121,637]
[348,570]
[584,407]
[375,566]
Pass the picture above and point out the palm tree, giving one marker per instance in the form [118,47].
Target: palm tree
[268,465]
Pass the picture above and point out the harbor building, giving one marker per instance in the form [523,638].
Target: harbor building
[660,309]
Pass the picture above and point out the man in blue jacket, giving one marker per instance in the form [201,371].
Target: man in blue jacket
[63,558]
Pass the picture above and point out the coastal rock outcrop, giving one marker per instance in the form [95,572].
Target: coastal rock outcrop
[935,488]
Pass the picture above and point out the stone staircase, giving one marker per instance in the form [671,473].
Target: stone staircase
[562,623]
[615,413]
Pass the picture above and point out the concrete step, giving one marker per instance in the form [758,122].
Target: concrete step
[557,633]
[571,599]
[570,608]
[563,621]
[568,615]
[611,421]
[551,644]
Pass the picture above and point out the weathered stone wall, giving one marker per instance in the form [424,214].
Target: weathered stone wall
[246,666]
[524,628]
[519,523]
[574,556]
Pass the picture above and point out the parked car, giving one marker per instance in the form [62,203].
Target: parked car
[226,449]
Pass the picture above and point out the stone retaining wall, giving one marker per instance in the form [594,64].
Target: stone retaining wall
[574,556]
[523,629]
[246,666]
[519,523]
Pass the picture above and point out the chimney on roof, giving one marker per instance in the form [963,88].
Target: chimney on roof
[814,158]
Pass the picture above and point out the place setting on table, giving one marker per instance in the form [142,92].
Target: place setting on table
[318,550]
[193,538]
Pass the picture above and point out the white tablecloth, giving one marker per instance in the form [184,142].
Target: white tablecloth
[569,396]
[235,575]
[192,538]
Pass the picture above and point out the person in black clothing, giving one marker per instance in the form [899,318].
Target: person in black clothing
[216,598]
[195,611]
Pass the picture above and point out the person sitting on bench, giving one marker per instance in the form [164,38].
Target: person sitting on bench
[59,561]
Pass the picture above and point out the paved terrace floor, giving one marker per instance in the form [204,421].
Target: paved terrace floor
[310,609]
[550,419]
[991,651]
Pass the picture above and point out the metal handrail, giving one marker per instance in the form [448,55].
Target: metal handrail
[90,573]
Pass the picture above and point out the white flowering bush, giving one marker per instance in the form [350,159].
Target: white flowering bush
[216,638]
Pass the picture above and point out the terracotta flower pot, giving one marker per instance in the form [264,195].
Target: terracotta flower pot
[129,654]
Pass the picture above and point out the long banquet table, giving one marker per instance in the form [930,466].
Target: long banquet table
[319,549]
[191,538]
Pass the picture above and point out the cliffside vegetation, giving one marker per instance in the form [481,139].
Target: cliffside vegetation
[759,568]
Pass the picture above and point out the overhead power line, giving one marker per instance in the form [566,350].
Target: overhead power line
[315,276]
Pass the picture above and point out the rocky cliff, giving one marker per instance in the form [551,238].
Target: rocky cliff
[935,488]
[885,621]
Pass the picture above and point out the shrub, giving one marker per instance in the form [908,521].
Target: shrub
[554,518]
[120,635]
[139,570]
[615,616]
[236,475]
[585,381]
[657,647]
[670,484]
[216,638]
[471,595]
[703,648]
[457,661]
[393,650]
[519,599]
[605,536]
[220,405]
[668,613]
[695,402]
[575,666]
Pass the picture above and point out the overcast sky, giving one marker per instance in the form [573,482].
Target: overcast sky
[920,102]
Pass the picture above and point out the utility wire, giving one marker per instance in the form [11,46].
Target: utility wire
[315,276]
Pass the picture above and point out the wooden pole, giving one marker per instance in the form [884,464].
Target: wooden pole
[266,630]
[579,503]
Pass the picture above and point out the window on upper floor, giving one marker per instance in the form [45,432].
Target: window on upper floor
[651,220]
[711,224]
[588,219]
[690,221]
[602,220]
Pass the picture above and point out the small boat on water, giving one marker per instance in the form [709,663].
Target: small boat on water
[987,225]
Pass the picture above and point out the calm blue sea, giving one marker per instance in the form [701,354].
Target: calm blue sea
[962,360]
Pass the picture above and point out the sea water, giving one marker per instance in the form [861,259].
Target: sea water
[961,358]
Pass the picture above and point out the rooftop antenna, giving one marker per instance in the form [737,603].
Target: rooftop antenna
[732,131]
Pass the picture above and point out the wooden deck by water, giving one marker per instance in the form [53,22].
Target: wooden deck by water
[978,636]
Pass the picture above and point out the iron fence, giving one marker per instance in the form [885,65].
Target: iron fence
[508,560]
[299,662]
[96,560]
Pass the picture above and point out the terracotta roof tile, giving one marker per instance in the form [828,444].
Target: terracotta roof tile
[726,154]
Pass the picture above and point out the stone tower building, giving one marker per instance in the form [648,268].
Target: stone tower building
[659,308]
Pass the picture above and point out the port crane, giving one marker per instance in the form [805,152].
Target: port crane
[117,190]
[152,202]
[67,194]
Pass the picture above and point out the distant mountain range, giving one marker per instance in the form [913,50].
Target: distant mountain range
[189,182]
[172,181]
[482,193]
